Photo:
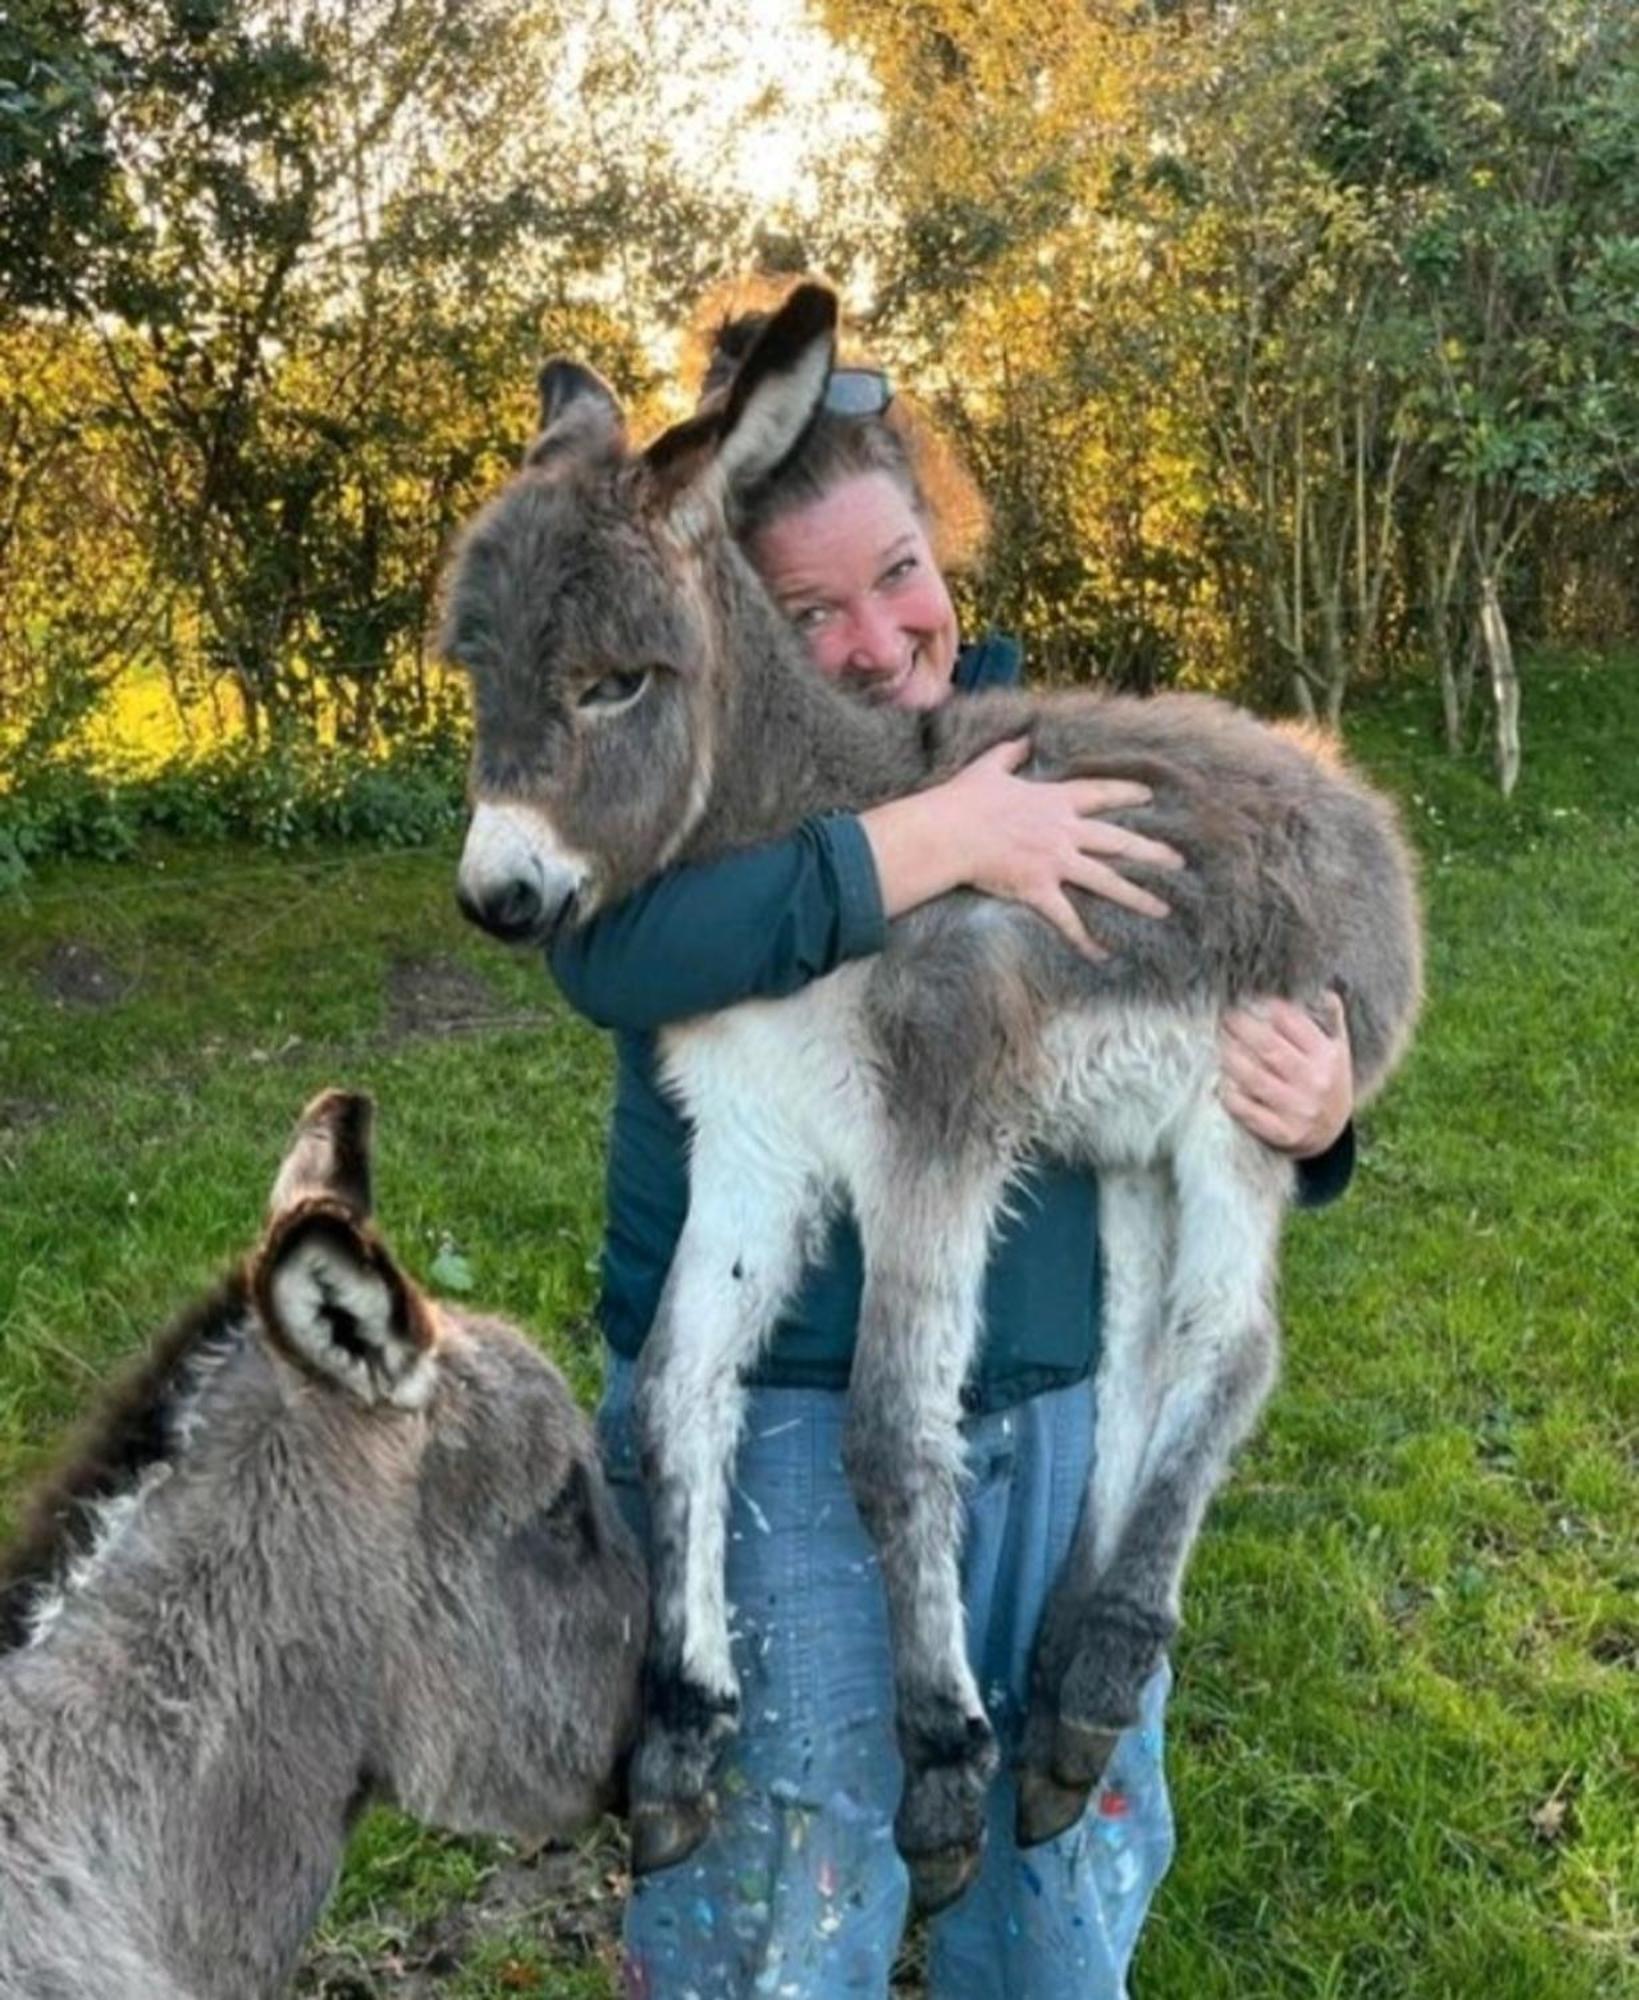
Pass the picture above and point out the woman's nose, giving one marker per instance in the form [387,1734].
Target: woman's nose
[875,643]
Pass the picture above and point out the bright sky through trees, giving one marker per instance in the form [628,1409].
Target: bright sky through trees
[757,104]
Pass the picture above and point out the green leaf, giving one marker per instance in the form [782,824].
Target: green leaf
[451,1270]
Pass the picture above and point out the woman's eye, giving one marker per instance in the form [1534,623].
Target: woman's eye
[614,690]
[897,572]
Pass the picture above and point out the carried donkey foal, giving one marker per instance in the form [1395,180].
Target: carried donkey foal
[332,1541]
[639,701]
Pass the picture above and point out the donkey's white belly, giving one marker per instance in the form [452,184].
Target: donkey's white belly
[790,1083]
[794,1084]
[1118,1081]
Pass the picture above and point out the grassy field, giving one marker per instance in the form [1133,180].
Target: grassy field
[1406,1736]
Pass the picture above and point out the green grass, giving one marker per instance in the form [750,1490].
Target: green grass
[1405,1743]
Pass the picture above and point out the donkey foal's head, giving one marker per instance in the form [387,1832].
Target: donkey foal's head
[587,605]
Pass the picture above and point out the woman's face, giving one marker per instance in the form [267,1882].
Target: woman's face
[854,573]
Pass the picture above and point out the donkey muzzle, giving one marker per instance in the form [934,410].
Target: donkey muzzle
[516,880]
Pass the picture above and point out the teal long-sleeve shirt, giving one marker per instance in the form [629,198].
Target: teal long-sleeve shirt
[755,925]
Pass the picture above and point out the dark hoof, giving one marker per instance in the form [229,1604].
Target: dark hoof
[1046,1808]
[1080,1753]
[939,1878]
[663,1835]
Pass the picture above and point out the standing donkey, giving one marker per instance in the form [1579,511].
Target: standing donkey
[333,1541]
[640,700]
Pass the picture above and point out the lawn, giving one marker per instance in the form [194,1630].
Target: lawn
[1405,1743]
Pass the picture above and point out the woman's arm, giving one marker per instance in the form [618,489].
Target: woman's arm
[755,924]
[762,922]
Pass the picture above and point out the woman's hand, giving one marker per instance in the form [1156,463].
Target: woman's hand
[1289,1082]
[1016,837]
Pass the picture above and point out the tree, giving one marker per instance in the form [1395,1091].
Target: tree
[1279,335]
[60,191]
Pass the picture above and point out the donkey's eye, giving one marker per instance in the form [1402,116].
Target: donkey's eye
[613,690]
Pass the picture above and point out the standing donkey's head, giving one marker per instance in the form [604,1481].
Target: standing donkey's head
[512,1621]
[586,604]
[383,1511]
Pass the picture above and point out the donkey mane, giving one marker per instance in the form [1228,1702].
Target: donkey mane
[140,1424]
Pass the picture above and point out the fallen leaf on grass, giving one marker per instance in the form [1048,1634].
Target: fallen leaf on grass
[1551,1821]
[451,1270]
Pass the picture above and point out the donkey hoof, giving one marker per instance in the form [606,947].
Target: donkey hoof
[939,1878]
[1046,1808]
[664,1833]
[1080,1753]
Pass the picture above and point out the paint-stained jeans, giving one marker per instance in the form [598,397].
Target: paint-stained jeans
[799,1894]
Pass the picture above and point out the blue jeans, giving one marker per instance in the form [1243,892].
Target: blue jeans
[799,1893]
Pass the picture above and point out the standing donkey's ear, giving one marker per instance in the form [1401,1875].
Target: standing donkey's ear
[774,396]
[328,1156]
[579,413]
[328,1292]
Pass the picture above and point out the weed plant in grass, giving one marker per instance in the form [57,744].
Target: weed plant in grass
[1405,1742]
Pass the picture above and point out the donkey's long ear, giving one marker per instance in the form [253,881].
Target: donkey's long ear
[579,413]
[329,1294]
[329,1155]
[772,400]
[332,1299]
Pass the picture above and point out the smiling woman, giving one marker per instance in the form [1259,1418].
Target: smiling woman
[855,575]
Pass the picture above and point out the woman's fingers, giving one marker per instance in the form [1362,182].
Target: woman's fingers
[1272,1127]
[1062,914]
[1269,1026]
[1007,755]
[1286,1078]
[1104,795]
[1098,878]
[1288,1094]
[1102,836]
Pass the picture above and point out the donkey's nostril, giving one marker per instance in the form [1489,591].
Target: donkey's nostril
[511,910]
[516,910]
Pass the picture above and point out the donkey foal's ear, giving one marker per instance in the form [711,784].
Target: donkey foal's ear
[732,444]
[578,412]
[334,1300]
[778,388]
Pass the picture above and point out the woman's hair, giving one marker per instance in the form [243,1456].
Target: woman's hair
[900,442]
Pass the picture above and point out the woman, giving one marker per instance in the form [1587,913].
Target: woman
[799,1891]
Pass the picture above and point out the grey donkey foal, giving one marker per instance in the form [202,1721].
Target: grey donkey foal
[640,700]
[333,1541]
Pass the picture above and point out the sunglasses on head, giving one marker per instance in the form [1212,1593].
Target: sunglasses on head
[858,392]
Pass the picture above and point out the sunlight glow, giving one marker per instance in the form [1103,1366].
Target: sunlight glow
[756,97]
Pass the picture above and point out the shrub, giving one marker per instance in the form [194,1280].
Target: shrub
[289,795]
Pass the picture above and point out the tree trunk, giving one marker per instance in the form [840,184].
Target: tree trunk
[1499,653]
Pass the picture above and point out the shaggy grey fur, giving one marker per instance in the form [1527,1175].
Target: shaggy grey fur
[640,699]
[306,1589]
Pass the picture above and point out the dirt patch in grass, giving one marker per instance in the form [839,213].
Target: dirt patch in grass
[21,1114]
[437,995]
[561,1902]
[18,1117]
[1616,1646]
[76,974]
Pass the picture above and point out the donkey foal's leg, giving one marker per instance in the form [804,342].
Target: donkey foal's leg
[1136,1217]
[919,1319]
[736,1261]
[1216,1364]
